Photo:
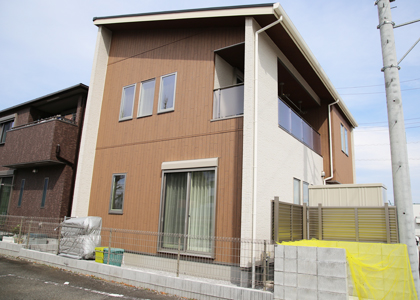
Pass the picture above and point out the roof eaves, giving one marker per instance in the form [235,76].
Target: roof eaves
[227,11]
[80,85]
[185,11]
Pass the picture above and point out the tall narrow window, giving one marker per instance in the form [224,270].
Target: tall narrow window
[4,127]
[117,194]
[344,140]
[22,186]
[127,102]
[296,191]
[167,93]
[188,208]
[147,95]
[44,192]
[5,191]
[305,193]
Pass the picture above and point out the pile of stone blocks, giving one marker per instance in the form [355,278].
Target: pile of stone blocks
[310,273]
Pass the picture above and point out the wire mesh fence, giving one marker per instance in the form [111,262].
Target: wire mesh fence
[235,261]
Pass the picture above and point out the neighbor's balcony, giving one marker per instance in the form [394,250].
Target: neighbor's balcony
[36,143]
[297,127]
[228,102]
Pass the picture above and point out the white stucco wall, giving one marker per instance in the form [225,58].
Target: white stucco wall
[91,124]
[280,157]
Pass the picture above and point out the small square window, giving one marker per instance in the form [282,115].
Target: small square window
[127,102]
[117,194]
[147,95]
[167,93]
[4,127]
[44,192]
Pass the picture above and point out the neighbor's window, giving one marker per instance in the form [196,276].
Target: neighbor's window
[305,192]
[167,93]
[296,191]
[22,186]
[44,192]
[344,140]
[127,102]
[147,94]
[117,193]
[4,127]
[188,210]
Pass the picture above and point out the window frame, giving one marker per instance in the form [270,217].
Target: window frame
[160,111]
[140,95]
[344,140]
[112,210]
[304,183]
[44,191]
[300,190]
[21,190]
[185,251]
[3,132]
[120,118]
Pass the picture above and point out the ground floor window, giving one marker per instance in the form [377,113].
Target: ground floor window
[188,210]
[5,190]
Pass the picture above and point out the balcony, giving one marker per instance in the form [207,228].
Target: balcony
[297,127]
[36,143]
[228,102]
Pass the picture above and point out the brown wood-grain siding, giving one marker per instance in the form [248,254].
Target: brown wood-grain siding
[138,146]
[342,162]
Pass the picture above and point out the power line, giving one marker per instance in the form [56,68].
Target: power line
[387,121]
[387,125]
[384,144]
[365,86]
[377,92]
[381,159]
[367,130]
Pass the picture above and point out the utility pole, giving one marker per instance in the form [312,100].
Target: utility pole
[398,142]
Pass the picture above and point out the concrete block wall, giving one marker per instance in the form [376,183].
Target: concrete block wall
[310,273]
[183,287]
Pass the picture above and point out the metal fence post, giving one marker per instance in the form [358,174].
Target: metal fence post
[319,221]
[29,234]
[109,247]
[388,231]
[20,230]
[291,223]
[356,223]
[59,238]
[179,255]
[305,220]
[265,266]
[276,219]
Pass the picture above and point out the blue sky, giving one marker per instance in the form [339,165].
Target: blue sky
[48,45]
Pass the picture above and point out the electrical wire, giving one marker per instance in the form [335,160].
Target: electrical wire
[377,92]
[365,86]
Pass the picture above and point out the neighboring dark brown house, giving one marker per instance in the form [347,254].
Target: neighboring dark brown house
[39,146]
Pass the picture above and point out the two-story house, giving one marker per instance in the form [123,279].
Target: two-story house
[38,153]
[196,119]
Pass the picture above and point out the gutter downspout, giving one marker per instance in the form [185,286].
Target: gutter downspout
[330,133]
[254,178]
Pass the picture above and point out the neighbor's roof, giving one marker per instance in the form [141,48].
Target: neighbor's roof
[264,13]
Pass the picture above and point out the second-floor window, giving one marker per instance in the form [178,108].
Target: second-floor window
[127,102]
[167,93]
[4,127]
[344,140]
[147,95]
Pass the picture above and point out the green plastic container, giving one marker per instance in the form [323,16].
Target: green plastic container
[115,257]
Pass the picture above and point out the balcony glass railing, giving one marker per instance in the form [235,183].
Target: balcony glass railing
[228,102]
[296,126]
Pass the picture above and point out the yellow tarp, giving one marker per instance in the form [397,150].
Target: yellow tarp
[378,271]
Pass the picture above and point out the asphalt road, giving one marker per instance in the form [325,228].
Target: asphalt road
[20,279]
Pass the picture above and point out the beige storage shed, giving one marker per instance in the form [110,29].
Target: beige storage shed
[372,194]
